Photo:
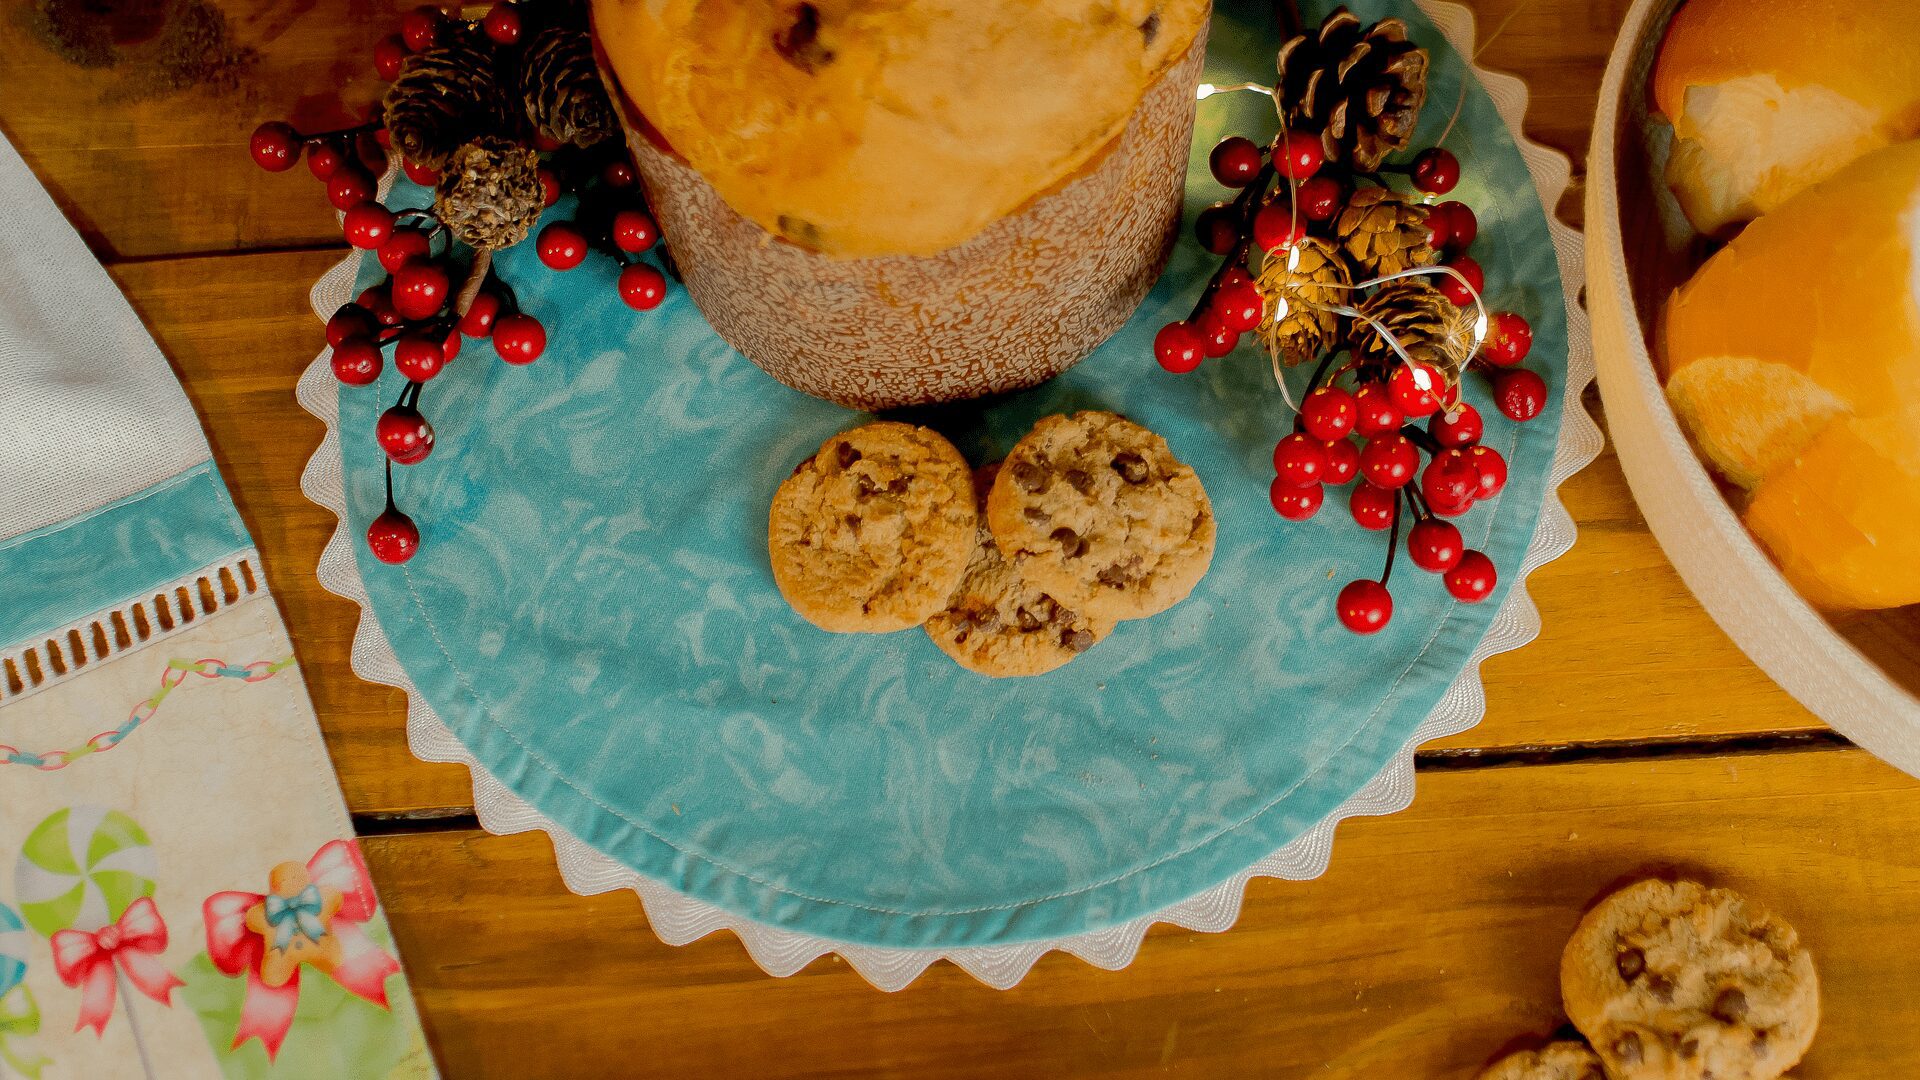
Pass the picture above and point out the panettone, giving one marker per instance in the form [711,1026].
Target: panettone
[856,128]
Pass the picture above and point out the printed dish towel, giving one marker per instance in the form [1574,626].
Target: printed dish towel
[181,895]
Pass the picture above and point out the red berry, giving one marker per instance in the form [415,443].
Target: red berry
[357,361]
[1298,154]
[1418,390]
[349,184]
[1343,462]
[1462,293]
[1179,347]
[1439,227]
[1389,461]
[562,246]
[420,289]
[1520,393]
[384,138]
[379,300]
[403,246]
[1371,507]
[546,143]
[1434,546]
[275,146]
[1450,480]
[404,434]
[323,159]
[393,537]
[1240,307]
[1436,171]
[1449,510]
[1319,198]
[450,348]
[367,225]
[1375,412]
[642,286]
[1217,337]
[419,357]
[350,321]
[1295,503]
[389,54]
[1328,413]
[618,175]
[1364,606]
[419,174]
[1300,460]
[634,232]
[519,339]
[420,28]
[1462,226]
[1457,427]
[1235,161]
[502,23]
[1231,276]
[1492,469]
[1472,579]
[478,321]
[1219,233]
[1509,340]
[549,186]
[1276,227]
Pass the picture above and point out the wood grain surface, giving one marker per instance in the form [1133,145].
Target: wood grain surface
[1631,737]
[1432,942]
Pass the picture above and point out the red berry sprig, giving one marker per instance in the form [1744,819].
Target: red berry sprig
[1397,431]
[433,297]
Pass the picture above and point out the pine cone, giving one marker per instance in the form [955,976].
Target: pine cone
[561,87]
[444,98]
[1383,233]
[1297,326]
[1422,320]
[1360,87]
[490,194]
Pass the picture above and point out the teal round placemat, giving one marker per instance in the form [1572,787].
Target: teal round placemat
[592,615]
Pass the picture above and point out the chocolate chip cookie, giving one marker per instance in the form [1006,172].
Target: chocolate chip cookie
[997,624]
[1554,1061]
[1096,511]
[872,532]
[1676,981]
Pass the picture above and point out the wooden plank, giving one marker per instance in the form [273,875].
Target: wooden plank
[147,153]
[1626,653]
[1431,942]
[143,141]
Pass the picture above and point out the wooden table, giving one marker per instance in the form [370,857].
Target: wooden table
[1631,736]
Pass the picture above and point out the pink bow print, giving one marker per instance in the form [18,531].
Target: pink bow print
[270,942]
[134,943]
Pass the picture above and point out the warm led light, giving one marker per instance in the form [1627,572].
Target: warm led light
[1207,90]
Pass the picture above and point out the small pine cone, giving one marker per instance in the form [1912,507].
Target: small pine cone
[1297,324]
[490,194]
[565,99]
[445,98]
[1382,233]
[1425,323]
[1360,87]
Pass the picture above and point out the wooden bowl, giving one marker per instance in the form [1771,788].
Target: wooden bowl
[1015,306]
[1857,671]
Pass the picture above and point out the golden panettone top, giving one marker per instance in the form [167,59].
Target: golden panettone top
[880,127]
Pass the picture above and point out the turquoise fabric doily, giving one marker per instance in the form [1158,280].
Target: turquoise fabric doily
[592,615]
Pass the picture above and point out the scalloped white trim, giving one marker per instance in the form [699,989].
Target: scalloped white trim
[679,919]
